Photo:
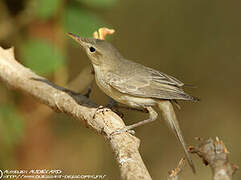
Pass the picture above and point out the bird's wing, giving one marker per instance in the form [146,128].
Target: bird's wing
[153,84]
[164,78]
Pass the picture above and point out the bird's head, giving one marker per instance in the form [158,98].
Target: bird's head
[99,51]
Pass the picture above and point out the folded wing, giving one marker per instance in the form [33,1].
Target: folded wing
[153,84]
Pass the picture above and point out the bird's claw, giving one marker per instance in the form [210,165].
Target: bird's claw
[101,109]
[123,130]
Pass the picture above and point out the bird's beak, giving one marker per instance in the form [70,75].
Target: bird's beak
[76,38]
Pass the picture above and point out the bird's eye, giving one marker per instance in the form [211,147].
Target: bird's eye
[92,49]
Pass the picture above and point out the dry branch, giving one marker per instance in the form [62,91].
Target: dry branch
[215,154]
[173,174]
[124,146]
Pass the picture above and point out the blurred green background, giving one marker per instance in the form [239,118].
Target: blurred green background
[199,42]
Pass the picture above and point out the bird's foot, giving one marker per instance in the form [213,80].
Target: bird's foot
[123,130]
[101,109]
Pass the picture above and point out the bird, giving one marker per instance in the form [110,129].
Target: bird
[136,85]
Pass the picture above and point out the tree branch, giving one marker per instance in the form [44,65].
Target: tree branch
[173,174]
[215,154]
[103,121]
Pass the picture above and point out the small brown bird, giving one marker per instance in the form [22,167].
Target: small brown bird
[135,85]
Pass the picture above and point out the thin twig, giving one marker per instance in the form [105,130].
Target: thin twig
[173,174]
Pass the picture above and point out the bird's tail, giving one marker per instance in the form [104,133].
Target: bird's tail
[169,116]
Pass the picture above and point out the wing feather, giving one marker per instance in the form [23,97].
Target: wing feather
[153,84]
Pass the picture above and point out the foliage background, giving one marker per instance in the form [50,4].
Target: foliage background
[197,41]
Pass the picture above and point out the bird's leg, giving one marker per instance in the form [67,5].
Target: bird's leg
[152,117]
